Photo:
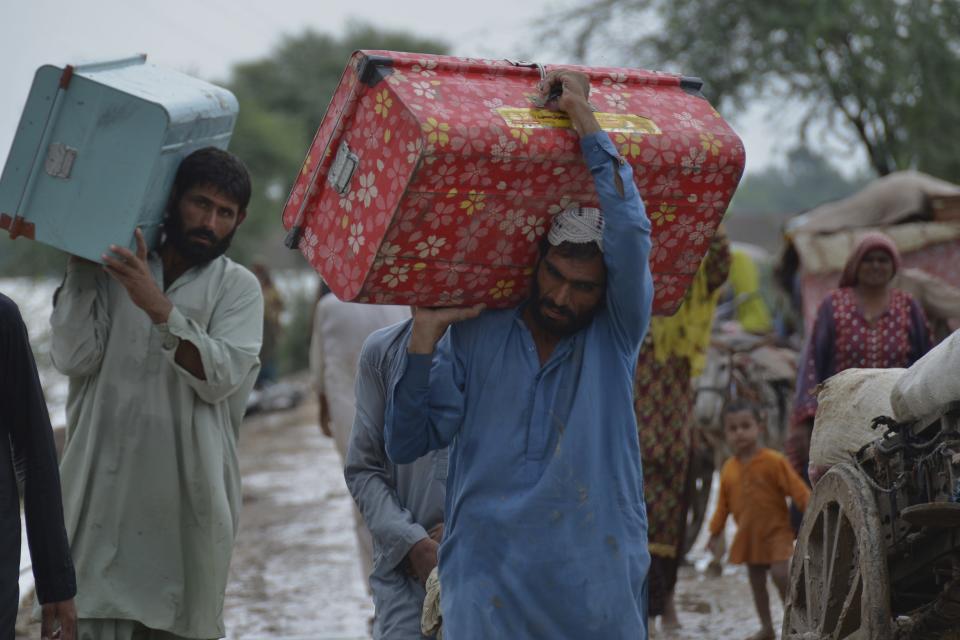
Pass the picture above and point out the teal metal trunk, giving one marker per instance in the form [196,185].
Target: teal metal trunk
[97,148]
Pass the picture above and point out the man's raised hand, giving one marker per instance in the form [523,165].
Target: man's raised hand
[132,271]
[573,99]
[430,324]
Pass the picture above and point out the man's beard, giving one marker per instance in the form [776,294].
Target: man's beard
[571,322]
[188,245]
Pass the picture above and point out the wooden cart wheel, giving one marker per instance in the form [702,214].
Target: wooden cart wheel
[699,482]
[838,576]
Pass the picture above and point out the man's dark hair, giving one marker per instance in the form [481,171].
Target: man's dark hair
[216,168]
[572,250]
[743,404]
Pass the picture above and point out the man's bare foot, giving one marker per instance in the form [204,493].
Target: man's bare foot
[763,634]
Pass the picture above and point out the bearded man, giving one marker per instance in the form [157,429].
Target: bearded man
[545,525]
[161,349]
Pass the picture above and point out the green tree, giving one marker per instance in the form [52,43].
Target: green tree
[886,70]
[282,100]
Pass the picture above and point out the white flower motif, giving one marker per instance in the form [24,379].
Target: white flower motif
[425,67]
[346,202]
[687,121]
[501,254]
[616,81]
[512,220]
[494,103]
[356,237]
[566,202]
[693,161]
[503,149]
[424,89]
[431,246]
[395,276]
[616,101]
[387,254]
[308,244]
[413,150]
[367,190]
[532,228]
[397,77]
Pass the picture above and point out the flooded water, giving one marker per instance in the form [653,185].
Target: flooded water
[295,572]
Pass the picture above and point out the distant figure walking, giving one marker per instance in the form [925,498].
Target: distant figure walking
[339,331]
[402,505]
[272,329]
[754,486]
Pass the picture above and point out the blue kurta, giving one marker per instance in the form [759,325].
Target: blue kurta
[546,532]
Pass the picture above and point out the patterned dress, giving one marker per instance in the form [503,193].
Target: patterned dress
[663,402]
[843,339]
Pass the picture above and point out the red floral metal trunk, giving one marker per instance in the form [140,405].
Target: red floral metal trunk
[431,179]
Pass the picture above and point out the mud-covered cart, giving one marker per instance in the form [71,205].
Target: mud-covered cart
[878,554]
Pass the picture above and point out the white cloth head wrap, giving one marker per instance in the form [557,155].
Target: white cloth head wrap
[578,225]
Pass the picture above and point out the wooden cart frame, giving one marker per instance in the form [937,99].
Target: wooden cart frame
[878,553]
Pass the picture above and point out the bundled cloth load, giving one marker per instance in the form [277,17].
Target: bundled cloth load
[847,403]
[431,179]
[930,386]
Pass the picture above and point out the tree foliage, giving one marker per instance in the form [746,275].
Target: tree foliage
[883,70]
[808,180]
[282,100]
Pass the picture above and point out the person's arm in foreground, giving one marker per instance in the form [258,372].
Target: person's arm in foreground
[369,481]
[34,452]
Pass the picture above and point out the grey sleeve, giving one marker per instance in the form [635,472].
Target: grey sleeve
[368,476]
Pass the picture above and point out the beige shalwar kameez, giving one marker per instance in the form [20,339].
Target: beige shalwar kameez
[151,482]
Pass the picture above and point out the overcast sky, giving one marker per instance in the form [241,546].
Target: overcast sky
[204,37]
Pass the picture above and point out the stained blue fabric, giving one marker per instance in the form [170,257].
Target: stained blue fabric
[546,529]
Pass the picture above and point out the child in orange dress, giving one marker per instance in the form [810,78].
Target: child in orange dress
[754,486]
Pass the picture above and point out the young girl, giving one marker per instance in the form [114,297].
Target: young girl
[754,485]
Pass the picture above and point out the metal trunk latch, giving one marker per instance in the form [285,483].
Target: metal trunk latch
[60,158]
[341,171]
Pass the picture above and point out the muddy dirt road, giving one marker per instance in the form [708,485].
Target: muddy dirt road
[295,575]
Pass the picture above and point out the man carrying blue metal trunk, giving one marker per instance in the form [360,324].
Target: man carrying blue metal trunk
[162,350]
[545,520]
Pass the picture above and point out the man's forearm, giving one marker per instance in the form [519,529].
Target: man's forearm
[583,120]
[188,357]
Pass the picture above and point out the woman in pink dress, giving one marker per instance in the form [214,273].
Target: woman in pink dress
[865,323]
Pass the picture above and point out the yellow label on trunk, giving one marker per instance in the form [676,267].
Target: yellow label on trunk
[526,118]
